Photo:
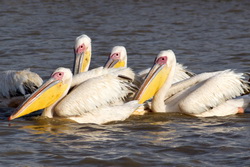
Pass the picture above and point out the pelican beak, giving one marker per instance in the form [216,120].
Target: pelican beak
[114,63]
[82,61]
[43,97]
[153,82]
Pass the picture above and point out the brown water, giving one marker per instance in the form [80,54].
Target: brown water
[205,35]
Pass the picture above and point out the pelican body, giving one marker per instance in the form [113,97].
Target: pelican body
[98,99]
[16,85]
[204,95]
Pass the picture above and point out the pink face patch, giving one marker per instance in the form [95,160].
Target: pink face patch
[115,56]
[80,49]
[162,60]
[58,75]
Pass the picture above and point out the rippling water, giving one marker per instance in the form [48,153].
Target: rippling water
[205,35]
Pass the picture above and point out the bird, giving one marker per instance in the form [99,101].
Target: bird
[219,93]
[118,58]
[82,52]
[16,85]
[96,100]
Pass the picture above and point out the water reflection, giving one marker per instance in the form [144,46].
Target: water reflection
[63,127]
[47,128]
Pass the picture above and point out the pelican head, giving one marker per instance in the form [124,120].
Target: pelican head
[82,52]
[117,58]
[157,75]
[47,94]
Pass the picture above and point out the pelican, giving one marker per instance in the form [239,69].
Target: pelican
[96,100]
[82,51]
[16,85]
[209,94]
[118,58]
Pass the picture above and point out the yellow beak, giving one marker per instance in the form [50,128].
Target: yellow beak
[114,63]
[153,82]
[43,97]
[82,62]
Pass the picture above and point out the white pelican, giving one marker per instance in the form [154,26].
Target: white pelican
[118,58]
[82,51]
[95,100]
[15,85]
[204,95]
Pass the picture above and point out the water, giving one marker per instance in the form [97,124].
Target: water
[205,35]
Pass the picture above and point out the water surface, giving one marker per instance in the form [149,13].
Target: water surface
[205,35]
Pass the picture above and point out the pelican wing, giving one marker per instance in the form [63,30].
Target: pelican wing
[229,107]
[94,93]
[215,91]
[181,73]
[187,83]
[16,83]
[108,114]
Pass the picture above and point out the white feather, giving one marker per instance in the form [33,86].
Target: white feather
[13,82]
[187,83]
[229,107]
[181,73]
[79,78]
[92,94]
[108,114]
[96,92]
[210,94]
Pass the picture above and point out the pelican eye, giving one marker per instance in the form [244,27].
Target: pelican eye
[115,56]
[162,60]
[58,75]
